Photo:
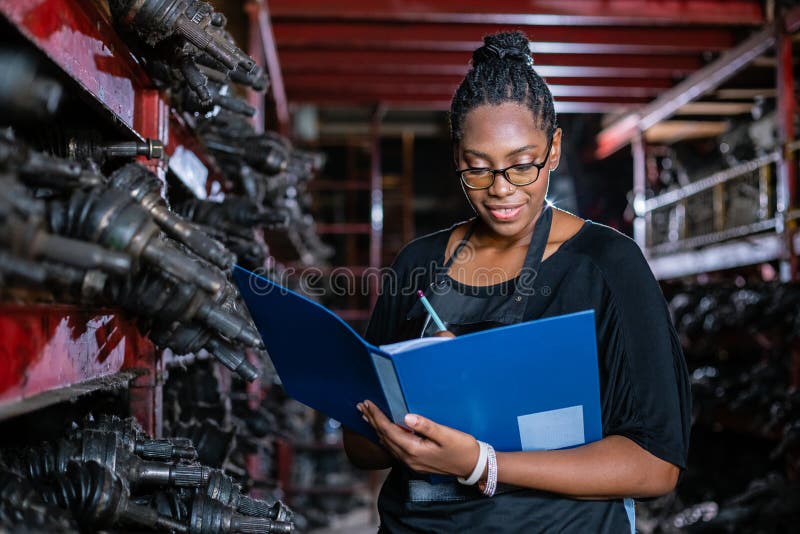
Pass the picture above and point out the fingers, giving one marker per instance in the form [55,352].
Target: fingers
[398,436]
[424,426]
[444,333]
[384,429]
[430,448]
[379,421]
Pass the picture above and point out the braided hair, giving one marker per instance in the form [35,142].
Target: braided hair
[502,71]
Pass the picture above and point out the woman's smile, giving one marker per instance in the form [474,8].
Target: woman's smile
[503,213]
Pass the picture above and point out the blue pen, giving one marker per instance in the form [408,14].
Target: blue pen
[431,311]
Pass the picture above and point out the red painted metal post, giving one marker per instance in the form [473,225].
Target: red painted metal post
[260,20]
[151,120]
[284,462]
[255,48]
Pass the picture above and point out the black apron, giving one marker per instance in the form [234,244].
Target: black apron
[465,313]
[410,502]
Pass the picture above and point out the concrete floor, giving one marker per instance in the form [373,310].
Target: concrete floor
[360,521]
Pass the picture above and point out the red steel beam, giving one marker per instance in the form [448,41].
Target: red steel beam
[531,12]
[547,71]
[410,87]
[562,107]
[325,81]
[344,62]
[553,39]
[323,59]
[442,102]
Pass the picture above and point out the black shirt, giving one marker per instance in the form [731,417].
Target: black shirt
[644,385]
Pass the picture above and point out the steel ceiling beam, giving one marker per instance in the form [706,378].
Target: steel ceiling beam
[306,95]
[411,87]
[457,63]
[701,82]
[529,13]
[442,103]
[546,71]
[328,80]
[545,39]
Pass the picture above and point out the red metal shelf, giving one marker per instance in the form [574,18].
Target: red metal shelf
[79,37]
[52,352]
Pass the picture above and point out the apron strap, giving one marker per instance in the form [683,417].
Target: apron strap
[461,244]
[541,233]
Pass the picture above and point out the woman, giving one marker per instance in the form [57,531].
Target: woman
[506,142]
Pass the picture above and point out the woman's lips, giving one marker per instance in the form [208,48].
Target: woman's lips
[505,214]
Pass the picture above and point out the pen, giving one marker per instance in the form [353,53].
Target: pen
[431,311]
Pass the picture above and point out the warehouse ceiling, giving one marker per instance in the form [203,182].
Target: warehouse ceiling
[598,56]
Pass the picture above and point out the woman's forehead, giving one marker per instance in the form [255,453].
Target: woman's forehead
[502,125]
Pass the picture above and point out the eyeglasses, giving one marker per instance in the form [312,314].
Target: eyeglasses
[517,175]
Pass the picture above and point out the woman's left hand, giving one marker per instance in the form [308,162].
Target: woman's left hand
[431,448]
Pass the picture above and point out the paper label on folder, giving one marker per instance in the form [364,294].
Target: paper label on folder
[553,429]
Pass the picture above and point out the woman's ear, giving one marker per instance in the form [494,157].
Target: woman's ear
[555,150]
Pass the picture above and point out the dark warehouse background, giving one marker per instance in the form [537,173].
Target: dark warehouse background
[147,146]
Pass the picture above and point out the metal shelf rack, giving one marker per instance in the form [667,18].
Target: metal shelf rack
[666,226]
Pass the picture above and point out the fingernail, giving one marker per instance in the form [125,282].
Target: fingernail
[360,409]
[364,417]
[411,420]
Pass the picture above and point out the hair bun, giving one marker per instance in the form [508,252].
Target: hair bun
[499,46]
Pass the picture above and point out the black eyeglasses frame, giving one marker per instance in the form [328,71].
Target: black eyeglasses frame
[495,172]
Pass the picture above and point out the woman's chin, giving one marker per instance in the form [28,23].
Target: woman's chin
[504,228]
[507,224]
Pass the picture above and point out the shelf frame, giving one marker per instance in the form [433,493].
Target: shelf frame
[773,237]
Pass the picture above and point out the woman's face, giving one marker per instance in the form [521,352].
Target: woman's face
[497,137]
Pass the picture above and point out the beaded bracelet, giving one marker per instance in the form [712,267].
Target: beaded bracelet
[491,479]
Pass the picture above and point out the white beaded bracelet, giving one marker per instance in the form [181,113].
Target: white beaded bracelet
[491,480]
[483,453]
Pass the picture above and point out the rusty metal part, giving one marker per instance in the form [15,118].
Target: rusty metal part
[145,187]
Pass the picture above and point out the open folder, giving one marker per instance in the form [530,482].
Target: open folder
[528,386]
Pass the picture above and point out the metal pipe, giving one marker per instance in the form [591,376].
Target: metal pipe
[626,128]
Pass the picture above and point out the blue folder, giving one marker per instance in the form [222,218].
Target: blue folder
[528,386]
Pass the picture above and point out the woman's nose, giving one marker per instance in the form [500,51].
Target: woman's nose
[501,187]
